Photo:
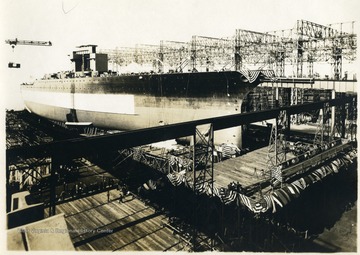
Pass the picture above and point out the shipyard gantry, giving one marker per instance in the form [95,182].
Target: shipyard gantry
[290,52]
[152,189]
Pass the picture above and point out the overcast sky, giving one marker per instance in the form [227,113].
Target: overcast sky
[111,23]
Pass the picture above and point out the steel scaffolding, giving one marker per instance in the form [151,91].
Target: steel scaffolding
[306,43]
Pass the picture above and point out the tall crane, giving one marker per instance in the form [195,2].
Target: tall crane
[15,42]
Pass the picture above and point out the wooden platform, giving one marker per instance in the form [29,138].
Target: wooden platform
[248,169]
[98,225]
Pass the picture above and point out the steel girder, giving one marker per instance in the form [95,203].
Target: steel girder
[90,145]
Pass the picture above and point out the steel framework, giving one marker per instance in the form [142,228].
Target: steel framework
[141,54]
[203,171]
[208,53]
[277,147]
[175,55]
[307,42]
[323,128]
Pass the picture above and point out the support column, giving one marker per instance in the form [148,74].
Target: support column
[299,59]
[8,195]
[333,119]
[53,181]
[294,101]
[237,58]
[203,170]
[161,58]
[343,121]
[277,148]
[237,55]
[193,54]
[277,102]
[337,65]
[322,129]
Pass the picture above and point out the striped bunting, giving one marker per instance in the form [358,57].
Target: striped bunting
[270,74]
[222,194]
[172,160]
[334,167]
[176,179]
[278,198]
[200,187]
[284,196]
[151,184]
[324,170]
[216,192]
[277,195]
[173,178]
[229,150]
[341,162]
[260,206]
[316,176]
[252,75]
[269,202]
[245,201]
[273,204]
[353,153]
[209,191]
[293,190]
[231,196]
[189,182]
[348,158]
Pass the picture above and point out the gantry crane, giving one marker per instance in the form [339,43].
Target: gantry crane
[15,42]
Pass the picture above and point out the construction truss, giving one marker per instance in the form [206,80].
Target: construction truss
[277,147]
[306,43]
[174,55]
[27,172]
[209,53]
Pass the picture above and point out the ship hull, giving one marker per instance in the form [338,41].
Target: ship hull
[142,101]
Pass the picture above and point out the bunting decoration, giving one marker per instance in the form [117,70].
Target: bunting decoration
[231,196]
[182,163]
[252,75]
[176,179]
[270,202]
[229,150]
[150,185]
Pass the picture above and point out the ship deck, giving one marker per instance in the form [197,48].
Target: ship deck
[249,170]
